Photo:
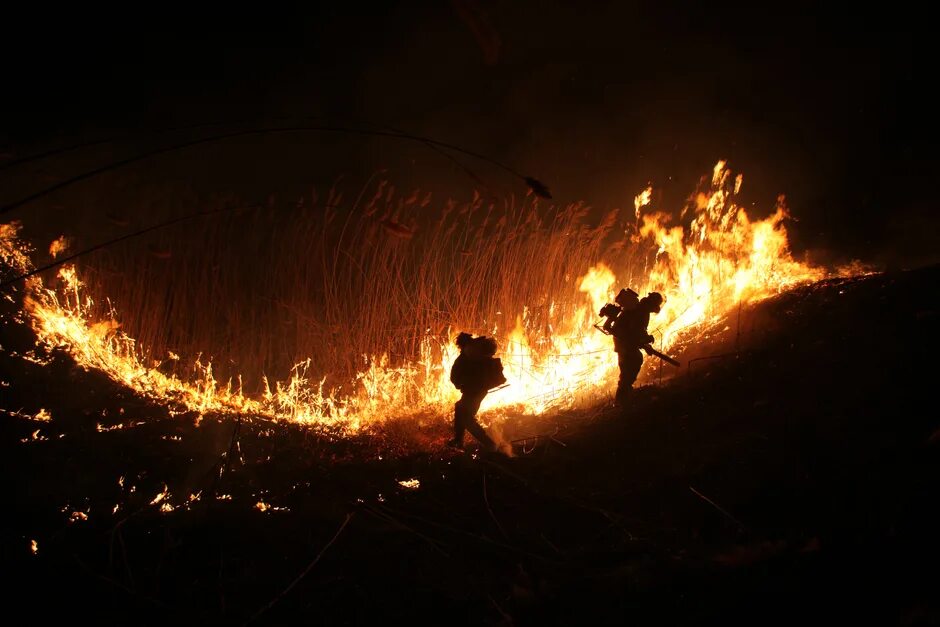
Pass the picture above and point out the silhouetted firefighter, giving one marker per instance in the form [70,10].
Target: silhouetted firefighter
[475,372]
[627,322]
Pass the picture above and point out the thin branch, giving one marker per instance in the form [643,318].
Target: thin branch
[719,508]
[535,185]
[486,500]
[303,573]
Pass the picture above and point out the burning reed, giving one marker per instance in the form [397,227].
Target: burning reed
[342,311]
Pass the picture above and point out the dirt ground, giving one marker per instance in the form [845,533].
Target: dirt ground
[792,479]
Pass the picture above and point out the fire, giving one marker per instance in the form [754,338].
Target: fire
[642,199]
[263,507]
[165,494]
[706,262]
[13,252]
[59,246]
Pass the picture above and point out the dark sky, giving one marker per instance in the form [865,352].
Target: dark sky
[829,106]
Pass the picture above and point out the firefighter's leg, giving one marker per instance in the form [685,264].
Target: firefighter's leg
[635,362]
[459,422]
[476,430]
[474,427]
[630,363]
[623,387]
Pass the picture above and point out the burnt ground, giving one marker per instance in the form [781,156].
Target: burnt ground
[795,479]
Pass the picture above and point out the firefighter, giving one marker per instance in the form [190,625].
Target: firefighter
[629,329]
[474,373]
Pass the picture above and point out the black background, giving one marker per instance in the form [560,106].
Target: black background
[828,105]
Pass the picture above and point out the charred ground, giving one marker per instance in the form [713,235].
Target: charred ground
[793,477]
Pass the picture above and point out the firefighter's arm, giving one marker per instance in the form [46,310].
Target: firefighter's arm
[457,374]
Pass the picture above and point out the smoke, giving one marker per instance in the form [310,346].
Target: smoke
[502,444]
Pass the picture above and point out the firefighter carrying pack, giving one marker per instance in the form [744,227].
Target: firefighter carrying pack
[482,350]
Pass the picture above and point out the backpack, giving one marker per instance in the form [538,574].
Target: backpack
[627,299]
[481,370]
[481,347]
[493,373]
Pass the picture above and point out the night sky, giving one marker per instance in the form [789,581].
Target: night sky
[596,99]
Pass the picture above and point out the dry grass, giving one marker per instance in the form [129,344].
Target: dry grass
[337,279]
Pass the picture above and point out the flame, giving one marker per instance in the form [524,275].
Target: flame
[14,253]
[161,496]
[59,246]
[706,264]
[642,199]
[262,507]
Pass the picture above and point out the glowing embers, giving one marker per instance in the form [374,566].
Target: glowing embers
[264,507]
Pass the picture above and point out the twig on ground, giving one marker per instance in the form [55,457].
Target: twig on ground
[383,516]
[221,584]
[127,565]
[550,544]
[486,500]
[303,573]
[115,583]
[506,617]
[571,501]
[719,508]
[508,472]
[482,538]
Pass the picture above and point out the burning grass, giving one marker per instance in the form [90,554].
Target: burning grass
[342,314]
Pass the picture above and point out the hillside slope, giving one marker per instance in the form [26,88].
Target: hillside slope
[790,475]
